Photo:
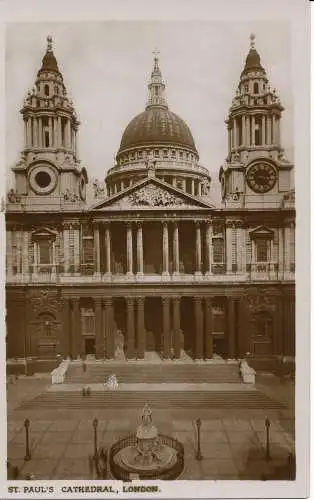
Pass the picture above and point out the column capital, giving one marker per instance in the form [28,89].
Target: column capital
[140,300]
[129,224]
[230,224]
[98,301]
[209,222]
[165,299]
[108,301]
[130,302]
[139,224]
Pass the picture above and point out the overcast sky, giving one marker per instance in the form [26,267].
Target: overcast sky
[106,68]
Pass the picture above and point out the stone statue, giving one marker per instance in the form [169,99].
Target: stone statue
[146,417]
[99,189]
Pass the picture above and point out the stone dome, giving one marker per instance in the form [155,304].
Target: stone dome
[157,125]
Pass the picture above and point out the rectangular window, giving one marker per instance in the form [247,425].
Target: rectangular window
[165,154]
[45,252]
[156,153]
[218,250]
[261,246]
[46,135]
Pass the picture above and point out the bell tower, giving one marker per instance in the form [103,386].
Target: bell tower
[256,173]
[49,171]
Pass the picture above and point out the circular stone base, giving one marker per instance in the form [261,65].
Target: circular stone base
[131,460]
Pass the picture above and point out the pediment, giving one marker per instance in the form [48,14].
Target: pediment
[261,232]
[43,233]
[151,193]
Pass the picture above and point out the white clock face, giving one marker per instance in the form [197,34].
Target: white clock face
[261,177]
[43,178]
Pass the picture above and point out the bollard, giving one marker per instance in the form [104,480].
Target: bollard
[95,425]
[198,455]
[27,451]
[267,425]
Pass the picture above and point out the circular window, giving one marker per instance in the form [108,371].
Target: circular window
[43,179]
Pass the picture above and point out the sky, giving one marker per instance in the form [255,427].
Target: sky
[106,67]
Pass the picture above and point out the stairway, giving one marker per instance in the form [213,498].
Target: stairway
[246,400]
[98,372]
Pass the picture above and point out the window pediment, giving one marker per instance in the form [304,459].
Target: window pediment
[44,234]
[261,232]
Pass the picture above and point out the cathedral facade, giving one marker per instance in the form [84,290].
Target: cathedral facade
[151,265]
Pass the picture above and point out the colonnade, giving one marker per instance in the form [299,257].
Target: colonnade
[199,228]
[35,126]
[135,335]
[242,130]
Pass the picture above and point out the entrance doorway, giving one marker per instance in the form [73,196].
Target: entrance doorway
[90,345]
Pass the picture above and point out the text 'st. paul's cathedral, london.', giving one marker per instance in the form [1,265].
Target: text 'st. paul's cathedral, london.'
[151,265]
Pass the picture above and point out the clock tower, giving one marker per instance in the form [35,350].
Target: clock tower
[256,173]
[49,173]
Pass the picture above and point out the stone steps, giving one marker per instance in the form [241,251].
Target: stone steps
[157,399]
[154,373]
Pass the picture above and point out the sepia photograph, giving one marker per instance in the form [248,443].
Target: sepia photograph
[150,265]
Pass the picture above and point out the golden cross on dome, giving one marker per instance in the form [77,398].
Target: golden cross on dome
[252,38]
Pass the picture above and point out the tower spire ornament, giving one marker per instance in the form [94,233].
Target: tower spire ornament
[252,40]
[49,43]
[156,86]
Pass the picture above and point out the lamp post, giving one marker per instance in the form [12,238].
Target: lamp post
[267,425]
[95,425]
[27,450]
[198,455]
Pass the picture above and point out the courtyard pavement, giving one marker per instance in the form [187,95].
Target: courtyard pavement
[232,441]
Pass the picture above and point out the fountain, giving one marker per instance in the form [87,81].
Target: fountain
[146,454]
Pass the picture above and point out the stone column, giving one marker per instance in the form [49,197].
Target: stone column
[76,333]
[66,248]
[139,247]
[176,326]
[199,343]
[198,248]
[268,130]
[129,249]
[253,130]
[274,135]
[208,328]
[25,133]
[77,248]
[248,130]
[109,333]
[9,253]
[59,134]
[231,328]
[241,247]
[130,328]
[209,235]
[243,131]
[96,248]
[29,131]
[68,134]
[278,326]
[199,188]
[165,242]
[35,128]
[166,326]
[176,257]
[65,339]
[235,138]
[287,247]
[281,255]
[50,130]
[141,334]
[40,132]
[278,131]
[55,133]
[99,340]
[229,226]
[263,130]
[25,263]
[108,249]
[192,187]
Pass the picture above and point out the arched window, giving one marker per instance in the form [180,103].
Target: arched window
[46,90]
[56,89]
[255,88]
